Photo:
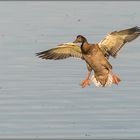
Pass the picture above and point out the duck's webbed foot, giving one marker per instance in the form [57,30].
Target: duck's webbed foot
[85,83]
[115,79]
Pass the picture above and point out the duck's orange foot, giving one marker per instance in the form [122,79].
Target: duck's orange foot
[115,79]
[85,83]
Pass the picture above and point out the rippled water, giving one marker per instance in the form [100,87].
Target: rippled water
[43,99]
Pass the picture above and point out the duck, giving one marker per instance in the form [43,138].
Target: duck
[96,61]
[96,55]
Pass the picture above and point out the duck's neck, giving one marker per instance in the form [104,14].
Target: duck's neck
[85,47]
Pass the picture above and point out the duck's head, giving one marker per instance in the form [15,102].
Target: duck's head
[80,39]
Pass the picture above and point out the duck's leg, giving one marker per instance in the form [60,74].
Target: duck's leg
[86,81]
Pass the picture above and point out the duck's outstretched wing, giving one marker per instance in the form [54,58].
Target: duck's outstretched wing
[62,51]
[114,41]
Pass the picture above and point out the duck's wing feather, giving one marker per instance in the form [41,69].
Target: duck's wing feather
[114,41]
[62,51]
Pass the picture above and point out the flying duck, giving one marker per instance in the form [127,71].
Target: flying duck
[95,55]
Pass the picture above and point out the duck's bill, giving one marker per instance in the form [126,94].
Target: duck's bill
[75,41]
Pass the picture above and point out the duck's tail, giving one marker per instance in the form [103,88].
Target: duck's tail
[112,79]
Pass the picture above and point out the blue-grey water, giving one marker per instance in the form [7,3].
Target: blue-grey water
[43,99]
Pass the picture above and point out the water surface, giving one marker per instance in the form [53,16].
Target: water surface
[43,99]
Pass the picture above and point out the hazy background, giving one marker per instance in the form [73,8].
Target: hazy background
[43,99]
